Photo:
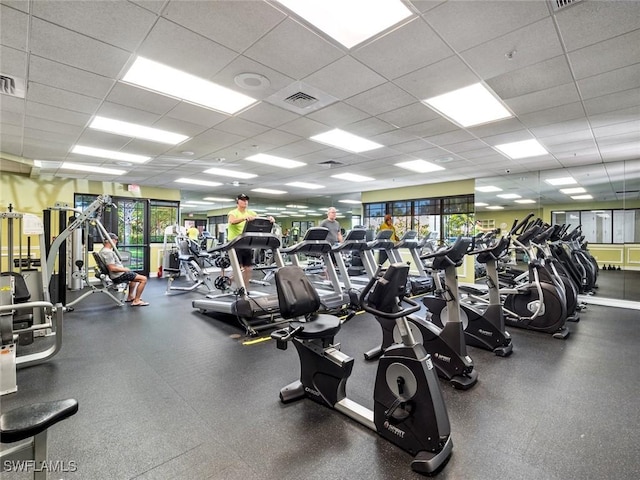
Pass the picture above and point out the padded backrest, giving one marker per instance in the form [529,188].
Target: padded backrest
[21,292]
[296,295]
[100,263]
[452,255]
[388,289]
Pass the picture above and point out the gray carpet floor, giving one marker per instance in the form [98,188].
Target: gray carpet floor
[166,392]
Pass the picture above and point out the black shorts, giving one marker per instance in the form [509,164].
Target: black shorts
[125,277]
[245,257]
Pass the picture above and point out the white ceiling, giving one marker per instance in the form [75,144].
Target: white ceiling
[571,77]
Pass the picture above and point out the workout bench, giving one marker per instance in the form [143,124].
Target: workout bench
[28,425]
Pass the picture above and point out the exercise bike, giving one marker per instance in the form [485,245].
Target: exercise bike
[483,327]
[409,410]
[446,345]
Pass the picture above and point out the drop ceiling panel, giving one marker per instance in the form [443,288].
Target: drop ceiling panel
[241,127]
[543,99]
[141,99]
[441,77]
[65,77]
[268,115]
[611,82]
[397,53]
[338,114]
[55,97]
[126,113]
[200,116]
[95,19]
[14,62]
[180,48]
[594,22]
[529,45]
[575,125]
[71,48]
[605,56]
[14,26]
[381,99]
[553,115]
[235,24]
[613,102]
[412,114]
[344,78]
[49,112]
[280,48]
[467,24]
[541,76]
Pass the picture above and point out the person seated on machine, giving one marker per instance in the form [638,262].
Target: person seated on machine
[120,274]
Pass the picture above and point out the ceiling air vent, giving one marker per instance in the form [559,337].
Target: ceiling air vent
[301,100]
[560,4]
[11,86]
[330,163]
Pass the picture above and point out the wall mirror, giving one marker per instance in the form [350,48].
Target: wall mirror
[604,198]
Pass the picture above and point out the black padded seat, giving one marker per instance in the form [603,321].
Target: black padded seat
[30,420]
[318,326]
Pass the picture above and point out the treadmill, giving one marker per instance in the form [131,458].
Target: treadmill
[416,284]
[256,310]
[354,241]
[315,244]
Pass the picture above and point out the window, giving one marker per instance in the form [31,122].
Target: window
[439,218]
[162,214]
[603,226]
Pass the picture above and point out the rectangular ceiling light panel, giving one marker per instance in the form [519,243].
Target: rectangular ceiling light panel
[310,186]
[573,191]
[112,154]
[352,177]
[204,183]
[269,191]
[522,149]
[91,169]
[224,172]
[184,86]
[488,189]
[350,22]
[420,166]
[561,181]
[134,130]
[346,141]
[469,106]
[275,161]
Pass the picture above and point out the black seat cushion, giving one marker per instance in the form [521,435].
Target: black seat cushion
[29,420]
[318,326]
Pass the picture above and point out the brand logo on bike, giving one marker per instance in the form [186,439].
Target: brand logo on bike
[394,430]
[485,332]
[443,358]
[312,391]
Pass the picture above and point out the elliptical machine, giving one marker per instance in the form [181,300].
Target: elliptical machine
[446,345]
[409,410]
[536,305]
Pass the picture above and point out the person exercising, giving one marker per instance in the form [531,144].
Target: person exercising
[387,225]
[120,274]
[236,219]
[331,224]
